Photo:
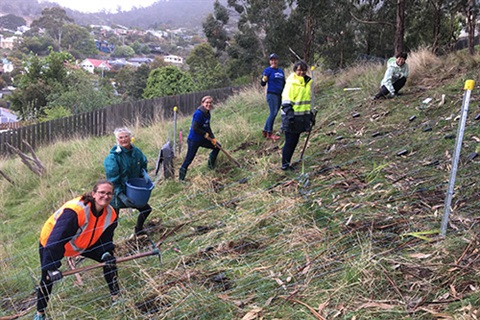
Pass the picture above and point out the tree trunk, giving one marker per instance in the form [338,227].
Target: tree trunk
[400,26]
[309,39]
[471,24]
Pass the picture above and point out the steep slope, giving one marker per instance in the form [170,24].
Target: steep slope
[351,235]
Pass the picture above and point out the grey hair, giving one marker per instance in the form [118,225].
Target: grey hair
[122,130]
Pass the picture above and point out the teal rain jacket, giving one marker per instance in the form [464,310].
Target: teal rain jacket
[122,164]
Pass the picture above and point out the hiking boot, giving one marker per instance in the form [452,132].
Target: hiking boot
[271,136]
[140,232]
[212,158]
[182,173]
[287,167]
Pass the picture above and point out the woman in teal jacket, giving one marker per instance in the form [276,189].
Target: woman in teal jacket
[125,161]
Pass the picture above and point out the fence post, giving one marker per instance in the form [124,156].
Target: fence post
[469,85]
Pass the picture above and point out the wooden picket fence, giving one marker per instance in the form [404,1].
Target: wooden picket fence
[104,121]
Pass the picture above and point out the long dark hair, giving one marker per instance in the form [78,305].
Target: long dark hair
[87,197]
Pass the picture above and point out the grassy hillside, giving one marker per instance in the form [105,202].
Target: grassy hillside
[352,234]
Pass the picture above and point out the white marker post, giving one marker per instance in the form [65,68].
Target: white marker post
[469,85]
[174,129]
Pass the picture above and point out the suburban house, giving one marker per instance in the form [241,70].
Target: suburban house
[6,65]
[8,120]
[173,59]
[7,43]
[91,64]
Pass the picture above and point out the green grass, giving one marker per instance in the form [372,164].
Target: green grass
[337,237]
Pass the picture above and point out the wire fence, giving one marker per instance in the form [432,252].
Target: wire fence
[278,241]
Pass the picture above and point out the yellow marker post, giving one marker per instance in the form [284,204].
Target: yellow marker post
[469,86]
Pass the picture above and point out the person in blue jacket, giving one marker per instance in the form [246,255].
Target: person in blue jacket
[274,78]
[200,135]
[125,161]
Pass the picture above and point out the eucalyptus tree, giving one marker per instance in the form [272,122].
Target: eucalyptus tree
[214,27]
[205,69]
[261,25]
[469,9]
[433,23]
[167,81]
[53,20]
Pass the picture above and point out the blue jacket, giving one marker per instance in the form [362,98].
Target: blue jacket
[276,80]
[122,164]
[200,125]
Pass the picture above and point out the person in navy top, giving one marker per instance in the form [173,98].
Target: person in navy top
[274,78]
[200,135]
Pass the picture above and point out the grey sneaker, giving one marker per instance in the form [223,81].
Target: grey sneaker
[117,300]
[39,316]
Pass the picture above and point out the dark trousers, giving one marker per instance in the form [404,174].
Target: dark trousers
[397,85]
[45,287]
[291,141]
[193,147]
[143,212]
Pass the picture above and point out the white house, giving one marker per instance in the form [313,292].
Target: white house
[91,64]
[6,116]
[173,59]
[7,65]
[7,43]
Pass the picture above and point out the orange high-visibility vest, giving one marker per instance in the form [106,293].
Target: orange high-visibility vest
[90,228]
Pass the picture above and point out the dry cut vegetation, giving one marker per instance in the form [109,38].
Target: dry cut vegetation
[352,234]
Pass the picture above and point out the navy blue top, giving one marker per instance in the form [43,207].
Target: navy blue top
[200,125]
[276,80]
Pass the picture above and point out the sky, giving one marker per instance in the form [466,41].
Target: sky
[99,5]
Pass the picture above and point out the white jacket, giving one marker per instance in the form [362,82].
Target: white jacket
[393,73]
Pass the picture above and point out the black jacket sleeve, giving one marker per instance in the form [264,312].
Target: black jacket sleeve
[197,128]
[63,231]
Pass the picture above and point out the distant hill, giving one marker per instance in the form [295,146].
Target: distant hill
[174,13]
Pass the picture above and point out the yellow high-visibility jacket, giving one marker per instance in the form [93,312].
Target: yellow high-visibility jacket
[297,112]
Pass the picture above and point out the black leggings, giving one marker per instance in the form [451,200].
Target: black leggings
[397,85]
[45,287]
[291,141]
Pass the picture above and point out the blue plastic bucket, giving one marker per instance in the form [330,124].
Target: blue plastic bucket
[139,191]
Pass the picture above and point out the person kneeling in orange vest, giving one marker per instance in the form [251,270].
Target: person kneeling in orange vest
[82,226]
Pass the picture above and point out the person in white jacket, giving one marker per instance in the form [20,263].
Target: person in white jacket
[395,77]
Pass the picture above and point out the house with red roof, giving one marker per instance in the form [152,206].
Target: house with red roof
[91,64]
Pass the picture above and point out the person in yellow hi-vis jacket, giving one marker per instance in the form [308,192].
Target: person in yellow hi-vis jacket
[297,113]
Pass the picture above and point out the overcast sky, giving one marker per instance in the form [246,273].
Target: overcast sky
[99,5]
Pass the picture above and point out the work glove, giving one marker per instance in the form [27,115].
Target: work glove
[214,142]
[110,261]
[146,176]
[54,275]
[263,81]
[126,200]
